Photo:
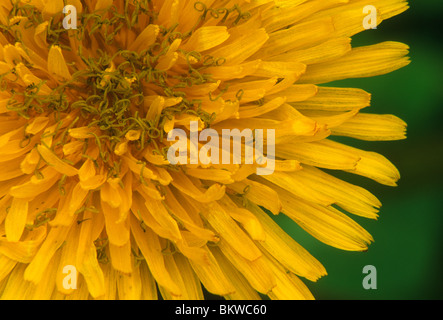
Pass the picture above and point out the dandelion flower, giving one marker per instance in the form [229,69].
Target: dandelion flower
[84,118]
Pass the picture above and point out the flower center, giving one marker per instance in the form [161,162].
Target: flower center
[125,96]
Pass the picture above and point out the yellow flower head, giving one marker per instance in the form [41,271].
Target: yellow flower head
[90,91]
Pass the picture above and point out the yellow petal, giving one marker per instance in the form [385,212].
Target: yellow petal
[14,168]
[228,229]
[182,183]
[288,182]
[16,219]
[259,194]
[6,266]
[328,225]
[155,108]
[256,272]
[288,286]
[145,38]
[371,165]
[57,65]
[121,257]
[319,154]
[194,253]
[102,4]
[118,231]
[361,62]
[288,252]
[327,51]
[281,69]
[110,193]
[350,197]
[68,258]
[183,275]
[255,111]
[243,290]
[212,276]
[162,216]
[92,273]
[72,147]
[42,259]
[249,222]
[37,125]
[130,285]
[151,249]
[336,99]
[23,251]
[242,48]
[206,38]
[149,287]
[111,276]
[51,8]
[180,214]
[373,127]
[221,176]
[11,290]
[54,161]
[299,36]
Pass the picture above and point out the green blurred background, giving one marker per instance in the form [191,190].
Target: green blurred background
[407,251]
